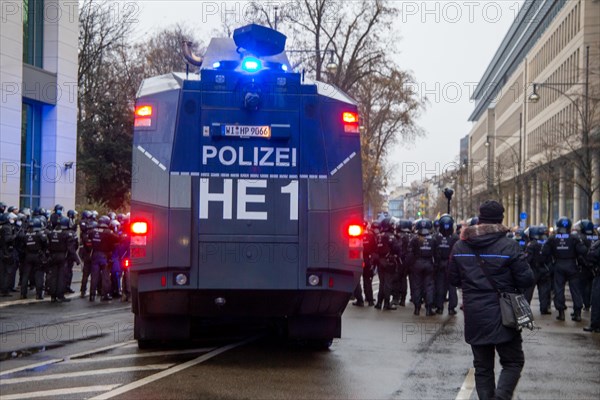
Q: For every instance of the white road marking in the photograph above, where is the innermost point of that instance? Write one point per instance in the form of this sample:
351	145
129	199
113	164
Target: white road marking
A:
57	360
467	387
140	355
59	392
171	371
105	371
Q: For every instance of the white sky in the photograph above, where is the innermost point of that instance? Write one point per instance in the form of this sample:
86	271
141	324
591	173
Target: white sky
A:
446	44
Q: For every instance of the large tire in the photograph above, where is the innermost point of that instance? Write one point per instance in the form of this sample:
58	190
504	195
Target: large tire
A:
146	344
320	344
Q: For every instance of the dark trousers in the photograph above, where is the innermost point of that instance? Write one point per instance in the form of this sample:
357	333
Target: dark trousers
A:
100	270
6	268
421	282
512	360
595	317
452	297
86	271
386	277
400	286
58	265
367	280
32	268
441	286
544	287
585	286
566	273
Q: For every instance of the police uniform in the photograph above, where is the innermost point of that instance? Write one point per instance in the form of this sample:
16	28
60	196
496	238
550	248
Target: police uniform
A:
103	243
85	253
422	250
586	275
7	259
36	244
541	271
399	285
369	248
564	248
442	286
386	267
59	242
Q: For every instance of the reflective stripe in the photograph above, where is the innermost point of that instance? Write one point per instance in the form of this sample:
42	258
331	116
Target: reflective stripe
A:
482	255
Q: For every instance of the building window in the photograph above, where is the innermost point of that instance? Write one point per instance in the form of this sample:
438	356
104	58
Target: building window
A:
33	32
31	154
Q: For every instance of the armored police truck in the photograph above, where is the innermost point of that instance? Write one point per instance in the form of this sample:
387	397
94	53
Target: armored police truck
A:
246	196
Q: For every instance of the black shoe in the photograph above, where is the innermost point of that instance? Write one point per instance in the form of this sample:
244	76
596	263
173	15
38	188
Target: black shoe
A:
69	290
53	299
576	316
106	298
358	304
92	298
371	303
586	309
451	311
378	306
63	300
39	297
82	295
439	311
417	310
429	311
390	307
14	290
592	329
23	296
561	315
545	312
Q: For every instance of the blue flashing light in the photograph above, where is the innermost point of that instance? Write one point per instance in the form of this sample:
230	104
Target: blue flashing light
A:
284	67
216	65
251	64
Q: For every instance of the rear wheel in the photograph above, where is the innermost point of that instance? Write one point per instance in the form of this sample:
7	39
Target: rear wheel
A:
320	344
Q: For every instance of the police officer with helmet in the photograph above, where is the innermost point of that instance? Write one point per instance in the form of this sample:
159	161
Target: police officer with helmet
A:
369	247
445	240
564	249
539	264
593	259
403	236
59	242
35	244
386	264
7	258
585	231
103	244
56	216
422	258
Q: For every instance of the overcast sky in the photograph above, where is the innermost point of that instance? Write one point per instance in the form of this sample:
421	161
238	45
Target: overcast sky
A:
446	44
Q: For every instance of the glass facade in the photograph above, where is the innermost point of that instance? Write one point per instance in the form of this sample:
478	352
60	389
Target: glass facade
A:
31	154
33	32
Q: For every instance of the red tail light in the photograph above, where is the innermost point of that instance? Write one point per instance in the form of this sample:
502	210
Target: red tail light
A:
355	230
139	228
350	118
126	263
143	116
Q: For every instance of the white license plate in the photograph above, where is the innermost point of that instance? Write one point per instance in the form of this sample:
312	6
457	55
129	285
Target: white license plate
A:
247	131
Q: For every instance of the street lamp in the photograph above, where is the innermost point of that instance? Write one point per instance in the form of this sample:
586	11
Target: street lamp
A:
584	114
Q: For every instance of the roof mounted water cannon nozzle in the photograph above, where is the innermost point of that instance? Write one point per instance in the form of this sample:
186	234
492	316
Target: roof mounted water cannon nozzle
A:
259	40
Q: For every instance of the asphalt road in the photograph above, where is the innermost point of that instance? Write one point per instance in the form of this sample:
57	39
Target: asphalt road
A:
85	350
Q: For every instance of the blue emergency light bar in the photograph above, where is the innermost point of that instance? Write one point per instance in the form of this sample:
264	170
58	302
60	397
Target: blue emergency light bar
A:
251	64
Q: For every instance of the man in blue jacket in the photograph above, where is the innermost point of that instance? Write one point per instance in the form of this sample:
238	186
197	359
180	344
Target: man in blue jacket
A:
507	267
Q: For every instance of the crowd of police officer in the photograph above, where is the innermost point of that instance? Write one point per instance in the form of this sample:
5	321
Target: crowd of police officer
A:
43	247
397	250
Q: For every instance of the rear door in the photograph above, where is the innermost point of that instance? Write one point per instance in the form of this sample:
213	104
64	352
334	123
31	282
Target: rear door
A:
248	200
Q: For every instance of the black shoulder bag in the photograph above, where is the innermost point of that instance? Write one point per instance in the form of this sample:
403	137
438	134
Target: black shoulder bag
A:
516	312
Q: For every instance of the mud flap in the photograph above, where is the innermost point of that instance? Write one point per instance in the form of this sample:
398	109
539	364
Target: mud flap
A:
314	327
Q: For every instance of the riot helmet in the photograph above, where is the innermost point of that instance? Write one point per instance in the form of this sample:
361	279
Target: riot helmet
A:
519	234
387	225
36	212
584	226
375	226
36	224
26	212
2	207
115	225
423	226
13	209
446	225
58	209
12	218
473	221
121	217
103	221
405	226
112	216
563	225
72	214
95	215
86	215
